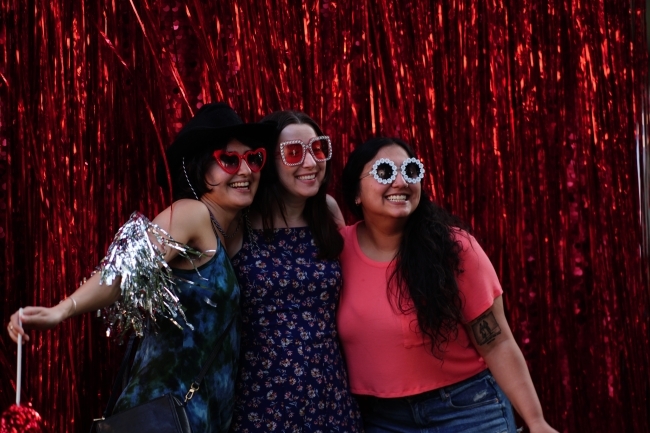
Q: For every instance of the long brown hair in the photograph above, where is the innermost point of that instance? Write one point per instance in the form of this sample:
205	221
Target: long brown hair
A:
316	213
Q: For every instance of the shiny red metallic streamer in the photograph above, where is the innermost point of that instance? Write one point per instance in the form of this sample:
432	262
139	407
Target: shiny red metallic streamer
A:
532	119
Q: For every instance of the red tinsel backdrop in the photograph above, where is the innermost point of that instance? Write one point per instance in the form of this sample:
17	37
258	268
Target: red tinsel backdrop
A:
531	116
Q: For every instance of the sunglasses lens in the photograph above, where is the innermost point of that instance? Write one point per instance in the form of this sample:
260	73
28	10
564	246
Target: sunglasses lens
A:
321	149
384	171
229	162
293	153
255	161
413	170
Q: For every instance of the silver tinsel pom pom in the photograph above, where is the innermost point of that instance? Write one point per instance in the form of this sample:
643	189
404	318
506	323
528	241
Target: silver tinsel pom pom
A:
147	282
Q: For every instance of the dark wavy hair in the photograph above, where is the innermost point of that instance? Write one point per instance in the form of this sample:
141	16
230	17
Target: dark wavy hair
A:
427	262
319	219
198	164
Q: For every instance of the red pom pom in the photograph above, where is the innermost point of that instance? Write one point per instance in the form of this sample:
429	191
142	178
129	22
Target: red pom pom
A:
21	419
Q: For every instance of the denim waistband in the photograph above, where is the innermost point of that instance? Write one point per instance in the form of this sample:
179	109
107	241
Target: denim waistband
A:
434	392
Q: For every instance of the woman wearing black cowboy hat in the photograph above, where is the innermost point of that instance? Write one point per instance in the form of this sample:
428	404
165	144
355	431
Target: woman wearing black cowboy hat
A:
170	280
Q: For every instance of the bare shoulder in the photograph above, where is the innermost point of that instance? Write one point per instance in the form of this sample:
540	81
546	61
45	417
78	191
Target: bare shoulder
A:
184	220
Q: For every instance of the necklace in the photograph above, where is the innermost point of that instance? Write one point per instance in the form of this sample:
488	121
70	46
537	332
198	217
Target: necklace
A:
217	226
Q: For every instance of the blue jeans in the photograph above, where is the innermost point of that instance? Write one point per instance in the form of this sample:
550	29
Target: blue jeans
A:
475	405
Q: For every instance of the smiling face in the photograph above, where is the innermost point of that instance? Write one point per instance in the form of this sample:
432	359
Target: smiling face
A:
232	191
397	199
300	181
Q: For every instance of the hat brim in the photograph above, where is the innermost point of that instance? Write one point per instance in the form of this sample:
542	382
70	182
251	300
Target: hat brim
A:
203	139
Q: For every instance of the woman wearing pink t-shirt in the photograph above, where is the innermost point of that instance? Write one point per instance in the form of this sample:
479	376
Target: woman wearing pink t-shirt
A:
421	316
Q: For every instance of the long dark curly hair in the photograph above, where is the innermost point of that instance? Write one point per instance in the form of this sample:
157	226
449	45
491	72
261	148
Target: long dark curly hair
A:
319	219
427	262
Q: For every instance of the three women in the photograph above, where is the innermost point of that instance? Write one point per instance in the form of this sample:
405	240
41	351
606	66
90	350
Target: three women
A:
421	317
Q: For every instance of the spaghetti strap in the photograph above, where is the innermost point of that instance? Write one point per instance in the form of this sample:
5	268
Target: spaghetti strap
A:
216	227
213	224
212	220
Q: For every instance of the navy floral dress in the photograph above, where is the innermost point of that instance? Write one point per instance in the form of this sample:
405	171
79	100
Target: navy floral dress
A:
168	360
292	377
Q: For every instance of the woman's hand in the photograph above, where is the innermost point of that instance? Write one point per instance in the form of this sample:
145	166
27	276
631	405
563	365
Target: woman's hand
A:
38	318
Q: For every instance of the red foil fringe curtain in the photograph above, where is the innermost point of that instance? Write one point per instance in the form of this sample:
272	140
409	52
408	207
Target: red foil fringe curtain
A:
531	117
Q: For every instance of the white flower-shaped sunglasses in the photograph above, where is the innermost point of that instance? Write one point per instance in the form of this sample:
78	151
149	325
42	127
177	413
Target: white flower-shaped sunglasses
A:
385	171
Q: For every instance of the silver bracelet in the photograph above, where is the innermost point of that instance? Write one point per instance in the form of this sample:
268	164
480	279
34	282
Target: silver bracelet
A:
74	305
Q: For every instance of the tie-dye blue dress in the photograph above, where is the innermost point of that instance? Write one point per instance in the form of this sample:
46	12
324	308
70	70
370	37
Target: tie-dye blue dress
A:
168	361
292	376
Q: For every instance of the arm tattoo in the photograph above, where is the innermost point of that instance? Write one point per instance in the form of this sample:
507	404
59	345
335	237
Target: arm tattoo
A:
485	328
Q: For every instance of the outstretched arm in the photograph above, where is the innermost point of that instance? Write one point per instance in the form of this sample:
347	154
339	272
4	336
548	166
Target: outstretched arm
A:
493	339
90	296
188	219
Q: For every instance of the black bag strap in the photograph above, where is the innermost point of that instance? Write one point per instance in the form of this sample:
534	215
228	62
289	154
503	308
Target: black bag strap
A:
128	357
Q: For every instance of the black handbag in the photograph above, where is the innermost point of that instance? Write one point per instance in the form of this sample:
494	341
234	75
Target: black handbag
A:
164	414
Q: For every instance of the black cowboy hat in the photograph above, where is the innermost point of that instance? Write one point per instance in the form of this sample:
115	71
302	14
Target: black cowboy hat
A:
214	124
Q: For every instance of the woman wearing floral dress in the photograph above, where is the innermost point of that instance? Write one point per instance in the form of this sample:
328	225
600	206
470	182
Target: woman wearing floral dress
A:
292	376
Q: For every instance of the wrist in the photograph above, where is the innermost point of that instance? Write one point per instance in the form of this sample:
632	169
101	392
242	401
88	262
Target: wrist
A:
68	307
537	423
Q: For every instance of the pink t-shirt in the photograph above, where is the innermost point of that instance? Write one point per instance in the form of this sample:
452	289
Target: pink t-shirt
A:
384	349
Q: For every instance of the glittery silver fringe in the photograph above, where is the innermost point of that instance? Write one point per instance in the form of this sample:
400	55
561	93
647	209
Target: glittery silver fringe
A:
147	282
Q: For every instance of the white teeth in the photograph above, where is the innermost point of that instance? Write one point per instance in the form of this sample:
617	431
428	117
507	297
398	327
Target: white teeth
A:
396	197
307	176
239	184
